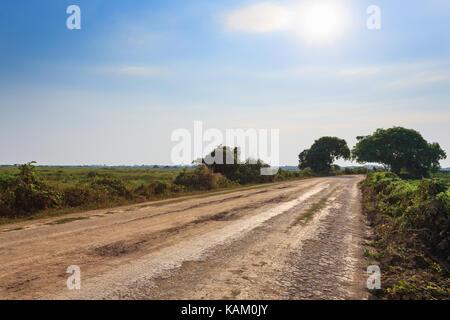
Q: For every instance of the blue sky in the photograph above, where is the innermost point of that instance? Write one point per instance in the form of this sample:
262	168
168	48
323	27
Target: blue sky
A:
112	92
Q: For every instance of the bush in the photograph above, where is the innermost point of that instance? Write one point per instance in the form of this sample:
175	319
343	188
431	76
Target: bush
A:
100	192
202	178
307	172
283	175
85	196
430	188
360	170
26	194
114	187
348	171
5	210
154	190
5	181
223	182
226	161
412	223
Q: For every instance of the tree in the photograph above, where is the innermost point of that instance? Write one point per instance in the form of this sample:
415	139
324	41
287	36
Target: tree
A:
226	161
323	153
403	151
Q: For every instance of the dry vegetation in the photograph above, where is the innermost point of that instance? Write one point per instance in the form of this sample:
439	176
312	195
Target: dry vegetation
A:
411	223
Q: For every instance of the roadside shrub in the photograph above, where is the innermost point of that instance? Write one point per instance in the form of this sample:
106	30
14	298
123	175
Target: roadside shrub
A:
29	198
226	161
5	181
85	196
159	188
283	175
173	188
154	190
26	193
412	228
307	172
250	172
202	178
75	196
429	213
114	187
5	210
223	182
357	170
430	188
360	170
348	171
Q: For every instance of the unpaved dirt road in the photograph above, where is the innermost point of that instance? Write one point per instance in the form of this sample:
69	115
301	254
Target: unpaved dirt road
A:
293	240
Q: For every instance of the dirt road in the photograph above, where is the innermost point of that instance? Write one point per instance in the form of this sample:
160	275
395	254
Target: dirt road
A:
294	240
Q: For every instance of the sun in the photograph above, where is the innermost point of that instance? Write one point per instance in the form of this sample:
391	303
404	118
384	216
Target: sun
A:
321	21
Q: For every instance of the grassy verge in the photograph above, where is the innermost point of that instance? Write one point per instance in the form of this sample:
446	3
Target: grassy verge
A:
411	226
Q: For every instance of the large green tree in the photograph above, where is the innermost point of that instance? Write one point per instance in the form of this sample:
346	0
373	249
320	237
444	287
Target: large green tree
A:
323	153
402	150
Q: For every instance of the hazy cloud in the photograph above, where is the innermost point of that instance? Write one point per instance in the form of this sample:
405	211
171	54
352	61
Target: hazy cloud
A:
365	71
138	71
259	17
423	78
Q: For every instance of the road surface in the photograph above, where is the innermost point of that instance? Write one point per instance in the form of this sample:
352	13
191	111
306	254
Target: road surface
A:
293	240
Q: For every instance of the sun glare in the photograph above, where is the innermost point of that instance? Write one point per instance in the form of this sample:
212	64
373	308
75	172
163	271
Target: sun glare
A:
321	21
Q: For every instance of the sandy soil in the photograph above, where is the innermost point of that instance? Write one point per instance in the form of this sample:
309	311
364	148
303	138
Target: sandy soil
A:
294	240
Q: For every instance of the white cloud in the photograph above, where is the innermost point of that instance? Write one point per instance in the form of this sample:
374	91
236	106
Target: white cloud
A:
259	17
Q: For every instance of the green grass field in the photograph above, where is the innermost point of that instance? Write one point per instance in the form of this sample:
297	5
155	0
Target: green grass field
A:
72	176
